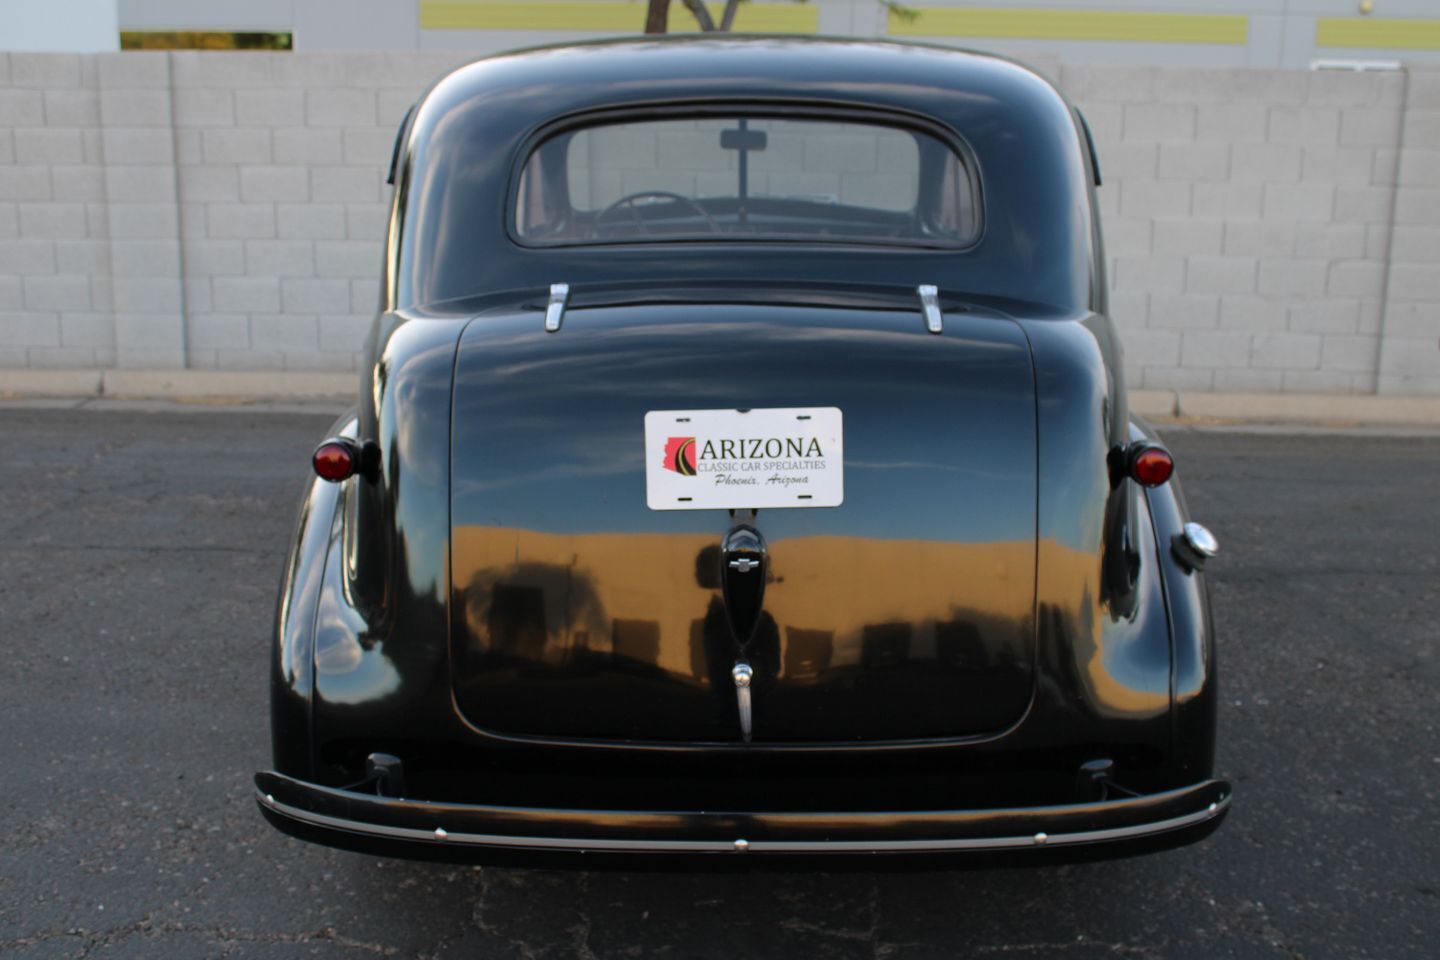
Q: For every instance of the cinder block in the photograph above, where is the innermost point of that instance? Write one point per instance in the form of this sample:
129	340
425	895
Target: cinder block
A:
246	294
1232	122
1344	87
1250	313
1113	83
29	330
1420	166
1220	274
213	258
1162	123
1317	381
24	183
1269	86
133	68
1268	162
212	183
240	221
1200	348
143	221
1358	278
87	330
52	221
313	70
137	146
229	68
1352	354
1413	244
345	184
1411	358
44	71
365	292
1127	236
1293	278
270	108
310	221
1377	241
249	360
279	258
9	220
1194	85
1304	125
300	145
1121	161
1419	206
1153	348
1285	351
1194	161
1299	201
1259	238
315	295
1408	281
321	360
12	295
1329	316
1334	241
72	108
56	293
78	183
210	331
285	332
21	108
1238	380
146	295
346	258
395	69
45	145
198	294
1227	201
140	184
343	332
1415	320
145	258
1155	198
60	358
135	108
204	107
273	184
1183	311
1367	205
375	145
238	145
366	221
1339	164
1370	126
1177	379
27	256
1186	237
392	105
340	108
1424	89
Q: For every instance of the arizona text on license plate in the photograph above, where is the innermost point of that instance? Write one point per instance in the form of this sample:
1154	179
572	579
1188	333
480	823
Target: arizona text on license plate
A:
744	459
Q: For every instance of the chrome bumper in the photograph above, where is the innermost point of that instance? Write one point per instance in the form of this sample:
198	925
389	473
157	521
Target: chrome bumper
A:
418	828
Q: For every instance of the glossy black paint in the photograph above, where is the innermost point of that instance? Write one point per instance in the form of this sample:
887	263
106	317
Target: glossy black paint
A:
433	612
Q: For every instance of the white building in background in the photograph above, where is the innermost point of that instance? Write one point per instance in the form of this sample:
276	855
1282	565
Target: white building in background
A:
1253	33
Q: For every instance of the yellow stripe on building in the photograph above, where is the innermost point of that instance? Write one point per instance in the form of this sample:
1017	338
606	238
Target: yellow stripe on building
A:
622	17
1377	34
1043	24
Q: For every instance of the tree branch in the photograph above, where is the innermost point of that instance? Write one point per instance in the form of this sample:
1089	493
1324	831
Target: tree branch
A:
727	20
702	16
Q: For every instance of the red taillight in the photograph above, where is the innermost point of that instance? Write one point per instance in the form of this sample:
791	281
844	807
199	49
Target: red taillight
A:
1151	466
335	461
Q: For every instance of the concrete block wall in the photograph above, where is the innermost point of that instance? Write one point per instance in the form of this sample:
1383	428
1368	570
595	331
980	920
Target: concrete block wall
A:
1267	231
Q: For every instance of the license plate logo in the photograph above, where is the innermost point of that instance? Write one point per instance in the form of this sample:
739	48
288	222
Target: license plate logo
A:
744	459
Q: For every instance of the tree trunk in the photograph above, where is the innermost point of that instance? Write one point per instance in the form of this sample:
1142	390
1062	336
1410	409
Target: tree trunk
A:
702	16
657	16
727	20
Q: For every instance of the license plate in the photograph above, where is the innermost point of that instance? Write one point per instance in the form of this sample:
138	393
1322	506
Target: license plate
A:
744	459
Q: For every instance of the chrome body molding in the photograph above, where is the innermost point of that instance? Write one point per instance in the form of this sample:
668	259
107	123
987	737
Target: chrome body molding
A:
555	310
930	307
1206	810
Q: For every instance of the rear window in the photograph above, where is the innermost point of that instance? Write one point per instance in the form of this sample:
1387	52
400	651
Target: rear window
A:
746	178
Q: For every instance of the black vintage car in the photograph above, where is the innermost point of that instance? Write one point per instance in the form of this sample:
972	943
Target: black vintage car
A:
742	465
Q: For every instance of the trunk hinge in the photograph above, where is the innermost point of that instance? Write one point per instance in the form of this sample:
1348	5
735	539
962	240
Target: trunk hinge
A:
555	311
930	307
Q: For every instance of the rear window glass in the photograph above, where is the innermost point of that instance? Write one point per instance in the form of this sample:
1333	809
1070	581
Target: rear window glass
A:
746	178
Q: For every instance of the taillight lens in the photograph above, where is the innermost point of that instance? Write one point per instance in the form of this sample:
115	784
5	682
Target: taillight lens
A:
1151	466
335	460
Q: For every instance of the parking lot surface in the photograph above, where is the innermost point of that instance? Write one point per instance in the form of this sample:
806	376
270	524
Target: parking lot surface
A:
139	556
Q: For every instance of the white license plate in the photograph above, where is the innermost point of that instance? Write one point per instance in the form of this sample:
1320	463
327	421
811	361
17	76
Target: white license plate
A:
744	459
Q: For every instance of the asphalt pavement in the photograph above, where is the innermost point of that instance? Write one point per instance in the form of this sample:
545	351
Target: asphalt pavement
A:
139	557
